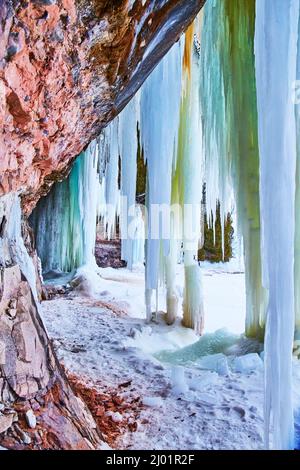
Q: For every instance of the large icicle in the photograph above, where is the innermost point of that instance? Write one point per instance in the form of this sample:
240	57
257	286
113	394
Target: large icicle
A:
110	199
231	148
297	213
160	104
276	52
243	145
128	145
217	169
190	182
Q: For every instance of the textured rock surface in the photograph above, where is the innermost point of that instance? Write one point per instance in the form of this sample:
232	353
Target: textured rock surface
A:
30	376
67	67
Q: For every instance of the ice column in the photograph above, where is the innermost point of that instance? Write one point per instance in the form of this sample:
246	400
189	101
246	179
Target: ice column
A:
110	201
297	211
189	169
128	146
230	134
160	105
276	54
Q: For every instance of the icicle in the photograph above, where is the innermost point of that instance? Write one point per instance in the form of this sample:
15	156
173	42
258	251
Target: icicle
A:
65	220
231	148
217	171
171	261
190	182
160	104
12	244
128	150
276	52
138	236
111	200
297	202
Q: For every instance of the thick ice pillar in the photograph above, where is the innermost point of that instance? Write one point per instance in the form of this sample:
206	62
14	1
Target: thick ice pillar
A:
276	54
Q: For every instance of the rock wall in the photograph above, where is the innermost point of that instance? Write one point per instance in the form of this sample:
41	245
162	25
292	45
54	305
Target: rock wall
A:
31	380
67	67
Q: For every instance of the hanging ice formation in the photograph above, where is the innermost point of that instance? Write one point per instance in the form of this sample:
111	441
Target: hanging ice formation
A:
108	168
276	61
297	221
65	221
159	122
230	134
12	246
187	181
131	225
171	140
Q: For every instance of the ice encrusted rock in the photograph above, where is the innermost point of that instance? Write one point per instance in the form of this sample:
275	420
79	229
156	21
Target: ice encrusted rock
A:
154	402
248	363
215	362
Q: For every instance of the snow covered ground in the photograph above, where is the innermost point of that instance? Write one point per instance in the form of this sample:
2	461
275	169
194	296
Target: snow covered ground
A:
223	288
105	340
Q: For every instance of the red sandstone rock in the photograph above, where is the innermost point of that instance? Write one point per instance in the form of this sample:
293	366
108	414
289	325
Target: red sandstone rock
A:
67	67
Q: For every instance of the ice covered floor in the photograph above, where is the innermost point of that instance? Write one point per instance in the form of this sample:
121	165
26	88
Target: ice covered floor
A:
212	412
223	287
181	408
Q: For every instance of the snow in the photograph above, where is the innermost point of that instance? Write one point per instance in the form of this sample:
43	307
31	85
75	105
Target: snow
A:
154	402
202	409
227	280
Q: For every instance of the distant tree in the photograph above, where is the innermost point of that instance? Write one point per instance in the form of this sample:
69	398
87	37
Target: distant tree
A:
212	246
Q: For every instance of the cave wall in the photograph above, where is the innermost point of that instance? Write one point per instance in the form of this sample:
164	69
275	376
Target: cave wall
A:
67	67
